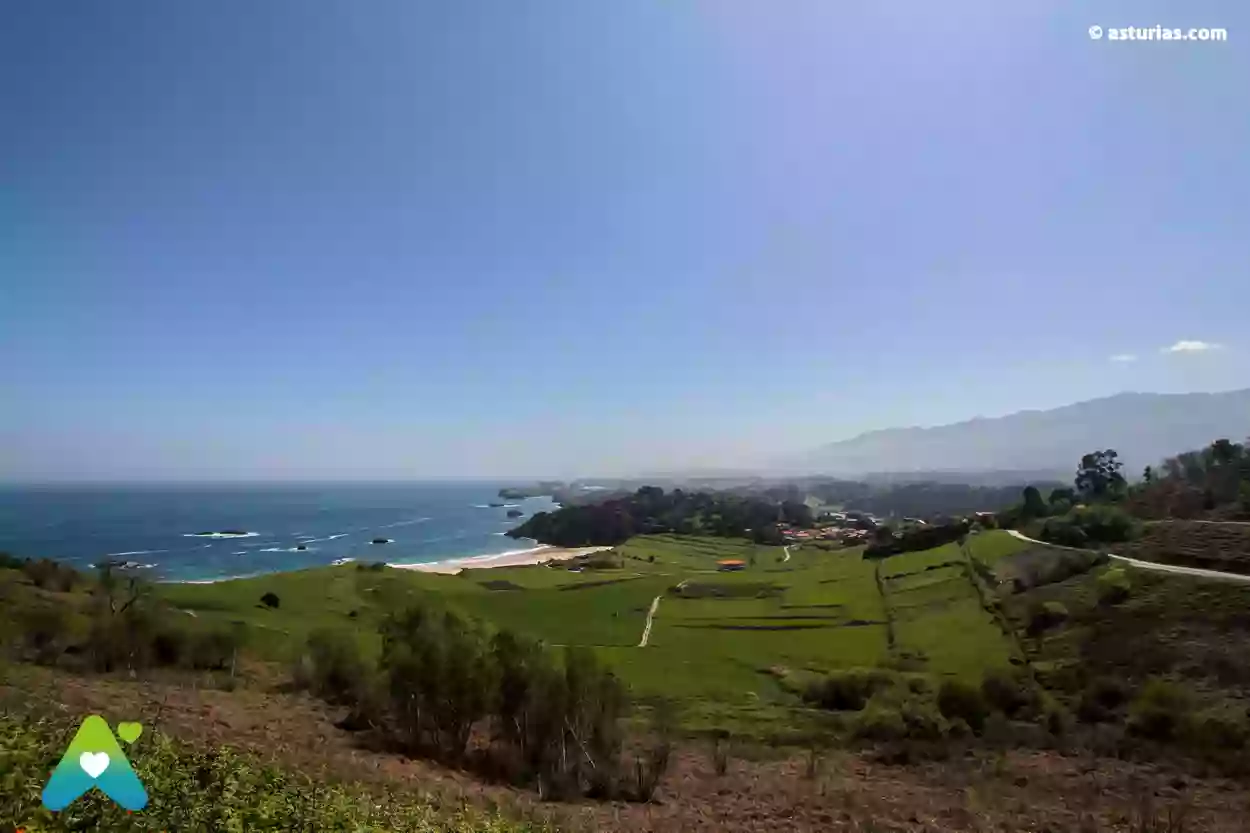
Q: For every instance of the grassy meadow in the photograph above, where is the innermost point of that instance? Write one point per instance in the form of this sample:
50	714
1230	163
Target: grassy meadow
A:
728	639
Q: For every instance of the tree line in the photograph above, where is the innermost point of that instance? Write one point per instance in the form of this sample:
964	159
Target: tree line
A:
1103	506
651	510
1214	479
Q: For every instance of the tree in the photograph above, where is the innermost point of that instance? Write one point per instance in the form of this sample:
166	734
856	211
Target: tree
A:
1149	474
1034	506
1099	475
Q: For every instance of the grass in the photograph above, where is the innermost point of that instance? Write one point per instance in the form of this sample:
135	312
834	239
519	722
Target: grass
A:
721	637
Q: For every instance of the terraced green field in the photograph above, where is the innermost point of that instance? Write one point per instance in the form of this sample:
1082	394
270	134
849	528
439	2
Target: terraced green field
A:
716	637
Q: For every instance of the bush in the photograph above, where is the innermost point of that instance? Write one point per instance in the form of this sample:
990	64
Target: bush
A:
121	640
1009	693
957	700
1218	729
1114	586
11	562
847	690
1055	717
331	667
1064	532
893	715
212	650
1159	710
169	646
270	600
1044	616
1101	699
49	575
1085	525
46	631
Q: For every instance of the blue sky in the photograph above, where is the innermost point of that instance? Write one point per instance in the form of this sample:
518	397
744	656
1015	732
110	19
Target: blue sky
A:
401	238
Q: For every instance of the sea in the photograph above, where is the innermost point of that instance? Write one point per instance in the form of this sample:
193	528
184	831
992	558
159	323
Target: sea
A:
157	530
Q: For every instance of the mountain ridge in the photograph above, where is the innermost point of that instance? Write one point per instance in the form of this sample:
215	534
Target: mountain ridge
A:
1144	427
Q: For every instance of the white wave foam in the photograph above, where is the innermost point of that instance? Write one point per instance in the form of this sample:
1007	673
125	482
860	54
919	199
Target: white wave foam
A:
339	562
220	534
329	538
404	523
137	552
289	549
240	552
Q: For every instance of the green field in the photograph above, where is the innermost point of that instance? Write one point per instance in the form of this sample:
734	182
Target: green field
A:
717	637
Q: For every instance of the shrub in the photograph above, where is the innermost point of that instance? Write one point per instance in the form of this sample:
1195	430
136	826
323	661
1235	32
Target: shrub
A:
121	640
11	562
848	690
720	754
1218	729
1009	693
1064	532
957	700
169	646
45	632
331	666
1055	717
49	575
212	650
1113	586
270	600
1100	700
1105	524
1044	616
1159	710
893	715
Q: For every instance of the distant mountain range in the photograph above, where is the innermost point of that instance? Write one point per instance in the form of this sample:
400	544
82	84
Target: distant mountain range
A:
1143	427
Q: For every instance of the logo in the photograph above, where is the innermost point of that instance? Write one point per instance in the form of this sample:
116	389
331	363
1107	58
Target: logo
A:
94	759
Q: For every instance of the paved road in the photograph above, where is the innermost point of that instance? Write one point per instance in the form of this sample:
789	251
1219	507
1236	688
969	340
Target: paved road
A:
1145	565
1196	521
646	632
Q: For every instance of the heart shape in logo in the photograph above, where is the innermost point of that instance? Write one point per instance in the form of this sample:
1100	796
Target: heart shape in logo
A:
93	763
129	732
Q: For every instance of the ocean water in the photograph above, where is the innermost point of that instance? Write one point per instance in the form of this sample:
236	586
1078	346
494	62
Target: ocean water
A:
154	527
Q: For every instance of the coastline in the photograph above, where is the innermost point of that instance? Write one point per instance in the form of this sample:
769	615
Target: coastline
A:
516	558
448	566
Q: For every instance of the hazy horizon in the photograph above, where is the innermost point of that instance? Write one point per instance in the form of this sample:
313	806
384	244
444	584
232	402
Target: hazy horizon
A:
412	242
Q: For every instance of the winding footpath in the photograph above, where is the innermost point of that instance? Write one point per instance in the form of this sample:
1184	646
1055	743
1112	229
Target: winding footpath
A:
646	632
787	554
1144	565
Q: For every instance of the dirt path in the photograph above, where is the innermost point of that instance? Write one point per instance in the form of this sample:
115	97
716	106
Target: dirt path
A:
786	550
1145	565
646	632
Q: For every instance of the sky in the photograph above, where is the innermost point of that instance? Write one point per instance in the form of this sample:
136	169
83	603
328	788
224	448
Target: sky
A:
410	239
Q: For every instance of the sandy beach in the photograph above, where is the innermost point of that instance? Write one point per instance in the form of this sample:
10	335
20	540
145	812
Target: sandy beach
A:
518	558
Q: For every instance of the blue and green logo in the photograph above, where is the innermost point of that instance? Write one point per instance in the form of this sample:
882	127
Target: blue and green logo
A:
94	759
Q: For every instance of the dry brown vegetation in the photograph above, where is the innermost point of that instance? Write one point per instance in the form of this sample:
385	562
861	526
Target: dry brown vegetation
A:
1222	546
760	790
